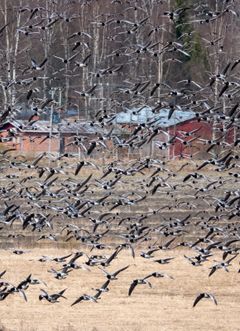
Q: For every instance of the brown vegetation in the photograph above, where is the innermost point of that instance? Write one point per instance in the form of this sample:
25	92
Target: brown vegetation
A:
167	306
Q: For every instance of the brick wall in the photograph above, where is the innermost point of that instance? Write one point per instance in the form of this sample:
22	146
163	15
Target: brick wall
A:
33	143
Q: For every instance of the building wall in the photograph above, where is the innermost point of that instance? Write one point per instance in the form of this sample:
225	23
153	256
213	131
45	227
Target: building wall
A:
33	143
12	143
196	147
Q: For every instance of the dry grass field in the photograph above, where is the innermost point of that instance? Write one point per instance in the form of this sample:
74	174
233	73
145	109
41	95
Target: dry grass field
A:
166	306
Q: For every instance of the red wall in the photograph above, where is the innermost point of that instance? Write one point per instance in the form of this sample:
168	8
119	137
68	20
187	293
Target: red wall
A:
205	132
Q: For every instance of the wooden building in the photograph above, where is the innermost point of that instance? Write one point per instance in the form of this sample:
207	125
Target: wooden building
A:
173	139
65	137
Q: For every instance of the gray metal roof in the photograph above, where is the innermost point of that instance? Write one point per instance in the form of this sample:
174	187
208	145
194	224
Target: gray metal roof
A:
39	126
16	123
136	116
79	127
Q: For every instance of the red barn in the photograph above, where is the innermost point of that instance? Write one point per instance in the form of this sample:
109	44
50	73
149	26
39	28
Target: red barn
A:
174	139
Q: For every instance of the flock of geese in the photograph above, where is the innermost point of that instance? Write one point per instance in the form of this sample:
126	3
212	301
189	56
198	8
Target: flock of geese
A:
196	210
140	206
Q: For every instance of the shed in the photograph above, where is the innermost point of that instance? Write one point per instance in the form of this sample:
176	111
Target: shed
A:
35	137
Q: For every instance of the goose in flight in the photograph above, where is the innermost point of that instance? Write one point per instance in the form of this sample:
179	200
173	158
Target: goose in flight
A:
144	280
61	274
107	262
112	276
206	296
136	282
103	288
164	261
87	297
158	275
148	254
87	93
36	66
66	60
52	298
221	265
83	63
78	34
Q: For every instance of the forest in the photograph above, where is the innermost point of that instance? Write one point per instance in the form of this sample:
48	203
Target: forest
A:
101	56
